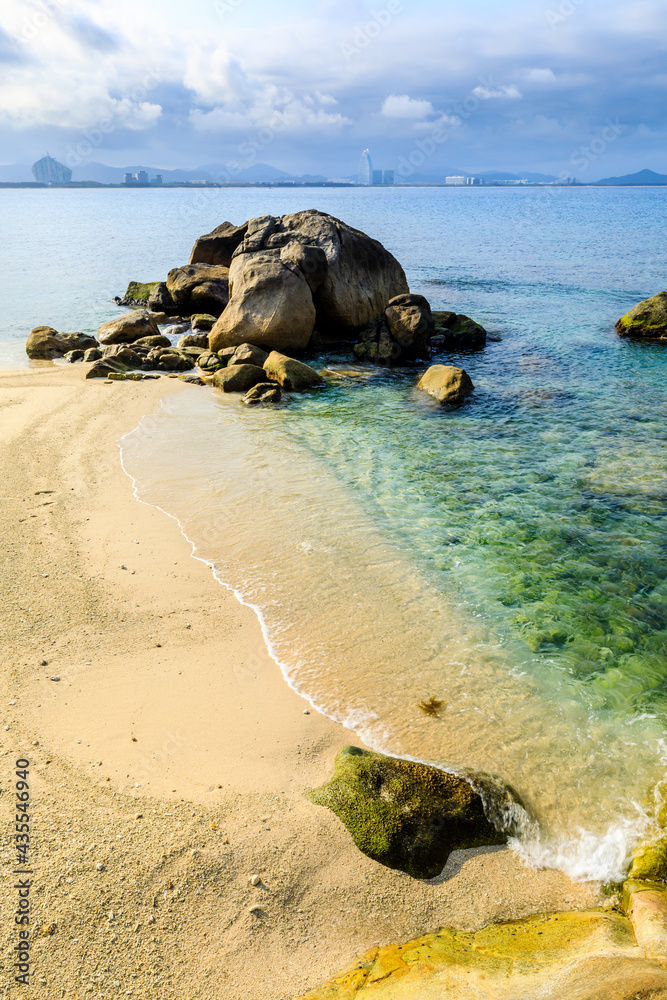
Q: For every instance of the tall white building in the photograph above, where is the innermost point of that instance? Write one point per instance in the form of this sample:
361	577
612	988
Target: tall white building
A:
365	168
50	171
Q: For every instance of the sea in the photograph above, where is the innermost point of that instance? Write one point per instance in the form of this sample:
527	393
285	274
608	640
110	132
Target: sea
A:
507	559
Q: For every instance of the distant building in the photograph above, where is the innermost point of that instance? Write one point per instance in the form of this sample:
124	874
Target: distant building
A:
455	181
129	180
157	179
142	177
50	171
388	177
474	180
365	168
377	177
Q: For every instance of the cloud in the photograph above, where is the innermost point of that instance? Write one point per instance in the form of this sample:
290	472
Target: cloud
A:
403	106
490	92
91	35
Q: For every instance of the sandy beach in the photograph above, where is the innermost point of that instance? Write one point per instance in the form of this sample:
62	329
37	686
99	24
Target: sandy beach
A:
170	759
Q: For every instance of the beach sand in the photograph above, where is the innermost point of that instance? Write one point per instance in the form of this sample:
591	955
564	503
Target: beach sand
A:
170	761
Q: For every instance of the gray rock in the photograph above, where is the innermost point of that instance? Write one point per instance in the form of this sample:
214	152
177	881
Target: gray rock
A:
127	328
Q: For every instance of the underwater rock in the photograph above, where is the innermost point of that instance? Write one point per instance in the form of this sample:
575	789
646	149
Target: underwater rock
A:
447	384
263	392
456	332
647	319
404	814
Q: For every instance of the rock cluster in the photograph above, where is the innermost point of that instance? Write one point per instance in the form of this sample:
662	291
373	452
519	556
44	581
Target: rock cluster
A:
251	296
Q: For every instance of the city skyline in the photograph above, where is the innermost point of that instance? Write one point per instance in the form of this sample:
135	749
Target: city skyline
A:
530	89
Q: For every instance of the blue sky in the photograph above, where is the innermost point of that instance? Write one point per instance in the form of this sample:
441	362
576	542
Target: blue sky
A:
571	87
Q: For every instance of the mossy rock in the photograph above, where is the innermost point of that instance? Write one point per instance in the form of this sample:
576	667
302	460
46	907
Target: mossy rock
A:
404	814
156	340
579	954
647	319
650	861
138	293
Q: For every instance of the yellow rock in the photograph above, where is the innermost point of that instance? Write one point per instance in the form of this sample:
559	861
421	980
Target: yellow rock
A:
646	906
589	955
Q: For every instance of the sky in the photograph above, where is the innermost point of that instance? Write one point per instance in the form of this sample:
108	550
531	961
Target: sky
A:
565	87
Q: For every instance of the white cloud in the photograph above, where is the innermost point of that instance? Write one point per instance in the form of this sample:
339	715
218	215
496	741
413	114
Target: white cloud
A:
489	93
402	106
539	75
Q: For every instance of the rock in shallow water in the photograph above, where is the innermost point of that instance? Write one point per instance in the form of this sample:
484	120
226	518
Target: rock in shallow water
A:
447	384
647	319
238	378
291	374
404	814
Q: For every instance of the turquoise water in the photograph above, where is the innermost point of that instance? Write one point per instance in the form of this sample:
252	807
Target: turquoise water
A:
508	557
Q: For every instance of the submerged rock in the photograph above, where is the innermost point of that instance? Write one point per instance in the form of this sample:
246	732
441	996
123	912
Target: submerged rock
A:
238	378
44	343
447	384
291	374
456	332
404	814
127	328
647	319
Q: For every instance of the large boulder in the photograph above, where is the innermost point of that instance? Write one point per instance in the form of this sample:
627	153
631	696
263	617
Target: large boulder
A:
127	328
349	279
456	332
447	384
404	814
291	374
362	276
411	325
182	283
238	378
647	319
217	247
270	305
44	343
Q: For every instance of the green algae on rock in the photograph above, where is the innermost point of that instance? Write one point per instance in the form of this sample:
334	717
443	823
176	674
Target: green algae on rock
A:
585	955
650	861
647	319
404	814
138	293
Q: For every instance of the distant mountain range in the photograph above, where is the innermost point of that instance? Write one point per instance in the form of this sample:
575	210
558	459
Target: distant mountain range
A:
642	177
263	173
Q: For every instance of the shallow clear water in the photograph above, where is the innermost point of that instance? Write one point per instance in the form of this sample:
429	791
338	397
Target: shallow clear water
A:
508	557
